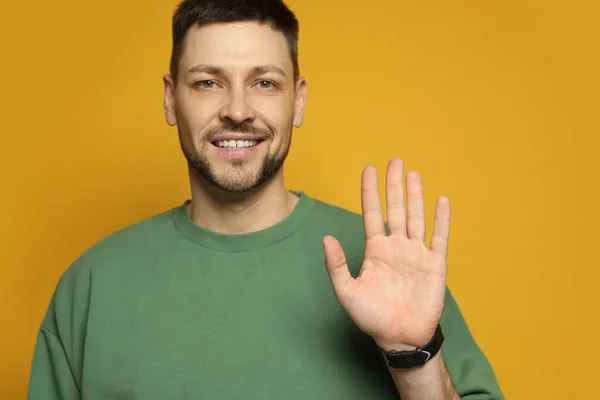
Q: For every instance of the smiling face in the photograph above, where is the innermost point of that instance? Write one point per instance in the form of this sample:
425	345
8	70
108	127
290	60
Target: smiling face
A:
235	103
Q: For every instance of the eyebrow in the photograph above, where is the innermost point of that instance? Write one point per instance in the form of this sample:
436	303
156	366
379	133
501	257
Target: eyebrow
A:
209	69
263	69
256	70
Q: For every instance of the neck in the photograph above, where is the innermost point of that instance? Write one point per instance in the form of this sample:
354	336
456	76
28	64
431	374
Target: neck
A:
235	213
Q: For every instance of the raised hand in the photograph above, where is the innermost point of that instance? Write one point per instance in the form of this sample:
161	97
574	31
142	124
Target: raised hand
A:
398	297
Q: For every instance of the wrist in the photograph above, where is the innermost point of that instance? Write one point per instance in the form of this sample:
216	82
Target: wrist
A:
429	368
401	356
407	345
396	346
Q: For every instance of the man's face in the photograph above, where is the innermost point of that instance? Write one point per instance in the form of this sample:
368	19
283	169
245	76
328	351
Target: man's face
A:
235	103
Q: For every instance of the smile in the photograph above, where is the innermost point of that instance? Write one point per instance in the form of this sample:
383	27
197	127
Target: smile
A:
236	144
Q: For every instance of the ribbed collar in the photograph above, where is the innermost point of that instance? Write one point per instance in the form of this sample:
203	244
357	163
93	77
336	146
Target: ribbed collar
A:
244	241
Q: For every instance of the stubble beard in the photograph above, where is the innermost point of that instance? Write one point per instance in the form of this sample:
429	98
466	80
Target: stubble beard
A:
237	179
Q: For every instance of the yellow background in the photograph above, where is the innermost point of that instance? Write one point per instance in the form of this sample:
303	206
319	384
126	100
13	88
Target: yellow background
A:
494	102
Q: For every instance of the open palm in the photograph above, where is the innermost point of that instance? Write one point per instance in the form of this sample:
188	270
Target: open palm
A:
398	297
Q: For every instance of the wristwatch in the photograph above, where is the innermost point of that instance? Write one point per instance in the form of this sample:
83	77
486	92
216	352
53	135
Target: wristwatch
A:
414	358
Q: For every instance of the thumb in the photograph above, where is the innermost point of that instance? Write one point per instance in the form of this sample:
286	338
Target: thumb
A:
335	261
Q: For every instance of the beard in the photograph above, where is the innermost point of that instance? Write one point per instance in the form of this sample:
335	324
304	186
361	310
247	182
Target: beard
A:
237	179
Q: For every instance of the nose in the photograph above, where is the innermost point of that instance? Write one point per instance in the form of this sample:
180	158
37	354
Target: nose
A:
237	107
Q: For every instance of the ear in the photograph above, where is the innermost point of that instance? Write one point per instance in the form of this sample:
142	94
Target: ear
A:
169	101
300	102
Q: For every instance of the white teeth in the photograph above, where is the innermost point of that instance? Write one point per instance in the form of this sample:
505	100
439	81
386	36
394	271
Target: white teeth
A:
235	144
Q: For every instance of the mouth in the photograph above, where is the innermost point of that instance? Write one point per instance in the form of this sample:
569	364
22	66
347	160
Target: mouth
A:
236	144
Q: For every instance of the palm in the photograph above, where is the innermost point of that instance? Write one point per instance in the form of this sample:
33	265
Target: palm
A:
398	296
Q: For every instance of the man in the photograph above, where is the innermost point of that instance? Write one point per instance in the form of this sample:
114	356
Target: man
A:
225	296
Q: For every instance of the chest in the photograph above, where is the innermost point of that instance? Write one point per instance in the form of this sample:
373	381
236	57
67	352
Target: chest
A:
209	331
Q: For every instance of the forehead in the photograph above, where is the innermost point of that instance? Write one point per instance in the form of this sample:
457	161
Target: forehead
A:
236	45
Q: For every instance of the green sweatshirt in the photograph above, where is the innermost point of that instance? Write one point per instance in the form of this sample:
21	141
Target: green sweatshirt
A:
165	309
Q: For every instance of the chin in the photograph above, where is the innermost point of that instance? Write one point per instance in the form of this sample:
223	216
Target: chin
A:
238	181
236	176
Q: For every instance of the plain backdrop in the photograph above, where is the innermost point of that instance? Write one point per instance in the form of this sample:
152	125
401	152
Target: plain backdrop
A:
495	103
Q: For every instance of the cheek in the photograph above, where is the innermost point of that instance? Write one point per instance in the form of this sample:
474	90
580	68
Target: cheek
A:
278	116
194	116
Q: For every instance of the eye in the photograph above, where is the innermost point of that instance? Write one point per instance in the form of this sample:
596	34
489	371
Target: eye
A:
266	85
208	84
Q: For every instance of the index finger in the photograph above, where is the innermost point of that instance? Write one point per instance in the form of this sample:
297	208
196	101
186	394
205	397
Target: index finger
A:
371	205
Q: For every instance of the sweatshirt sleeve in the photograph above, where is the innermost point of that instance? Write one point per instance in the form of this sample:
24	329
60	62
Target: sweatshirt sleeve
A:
56	369
51	375
468	367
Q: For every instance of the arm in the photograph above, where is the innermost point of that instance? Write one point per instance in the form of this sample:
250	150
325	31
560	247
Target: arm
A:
400	294
51	376
57	361
431	381
459	371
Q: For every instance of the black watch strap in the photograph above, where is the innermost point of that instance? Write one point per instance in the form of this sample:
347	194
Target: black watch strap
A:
417	357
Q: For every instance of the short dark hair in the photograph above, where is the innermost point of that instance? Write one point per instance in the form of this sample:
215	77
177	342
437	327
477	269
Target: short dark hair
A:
202	12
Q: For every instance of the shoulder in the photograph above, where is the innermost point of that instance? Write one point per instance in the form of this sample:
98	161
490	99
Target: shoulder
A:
125	245
343	224
122	249
330	213
337	220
